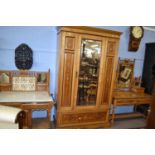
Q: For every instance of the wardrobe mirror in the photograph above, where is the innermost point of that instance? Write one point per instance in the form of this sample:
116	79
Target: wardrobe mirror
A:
88	72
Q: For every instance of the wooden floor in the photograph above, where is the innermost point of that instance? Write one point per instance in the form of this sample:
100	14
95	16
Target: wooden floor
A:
133	123
42	123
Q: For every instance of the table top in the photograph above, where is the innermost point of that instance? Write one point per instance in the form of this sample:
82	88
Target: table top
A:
129	95
36	96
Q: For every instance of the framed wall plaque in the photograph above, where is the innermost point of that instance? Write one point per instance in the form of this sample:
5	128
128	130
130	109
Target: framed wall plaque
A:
23	57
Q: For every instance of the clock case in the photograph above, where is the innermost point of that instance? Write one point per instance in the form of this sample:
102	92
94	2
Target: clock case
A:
134	42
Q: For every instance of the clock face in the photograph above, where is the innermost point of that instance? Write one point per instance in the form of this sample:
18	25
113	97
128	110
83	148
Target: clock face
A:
137	32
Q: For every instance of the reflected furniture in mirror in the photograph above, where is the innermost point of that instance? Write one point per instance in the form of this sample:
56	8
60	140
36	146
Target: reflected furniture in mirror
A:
128	90
86	71
27	90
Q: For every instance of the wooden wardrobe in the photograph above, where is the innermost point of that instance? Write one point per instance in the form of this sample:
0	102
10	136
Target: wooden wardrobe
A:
87	61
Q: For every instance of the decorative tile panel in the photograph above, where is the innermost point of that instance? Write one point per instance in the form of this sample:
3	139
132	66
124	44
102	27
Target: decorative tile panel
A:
20	83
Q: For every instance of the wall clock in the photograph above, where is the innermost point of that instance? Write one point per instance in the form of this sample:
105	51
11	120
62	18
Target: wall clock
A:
136	34
23	57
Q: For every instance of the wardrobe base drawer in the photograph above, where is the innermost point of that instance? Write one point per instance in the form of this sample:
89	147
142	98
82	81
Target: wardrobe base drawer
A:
83	117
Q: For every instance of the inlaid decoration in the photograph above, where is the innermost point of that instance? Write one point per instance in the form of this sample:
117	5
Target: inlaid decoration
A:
69	43
111	48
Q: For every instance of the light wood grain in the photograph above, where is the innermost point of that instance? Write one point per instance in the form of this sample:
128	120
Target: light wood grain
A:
69	114
125	98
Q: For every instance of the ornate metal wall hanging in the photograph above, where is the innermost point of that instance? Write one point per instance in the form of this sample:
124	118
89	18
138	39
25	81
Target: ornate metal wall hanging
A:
23	57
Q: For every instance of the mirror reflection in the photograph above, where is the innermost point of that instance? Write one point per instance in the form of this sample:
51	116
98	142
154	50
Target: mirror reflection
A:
88	72
125	73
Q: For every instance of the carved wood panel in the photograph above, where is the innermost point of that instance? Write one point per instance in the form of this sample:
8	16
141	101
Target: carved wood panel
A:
133	101
108	80
67	78
5	88
42	87
111	48
83	117
69	43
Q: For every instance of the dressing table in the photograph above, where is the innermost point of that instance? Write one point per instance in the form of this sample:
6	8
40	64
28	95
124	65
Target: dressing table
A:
126	98
126	92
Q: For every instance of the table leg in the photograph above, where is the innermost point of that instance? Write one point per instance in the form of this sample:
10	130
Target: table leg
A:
29	119
49	114
113	112
25	120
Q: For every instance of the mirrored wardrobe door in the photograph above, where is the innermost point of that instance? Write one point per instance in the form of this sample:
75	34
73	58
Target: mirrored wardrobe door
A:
88	74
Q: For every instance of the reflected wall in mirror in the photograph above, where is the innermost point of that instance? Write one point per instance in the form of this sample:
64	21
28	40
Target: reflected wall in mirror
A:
4	78
42	78
125	73
88	72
